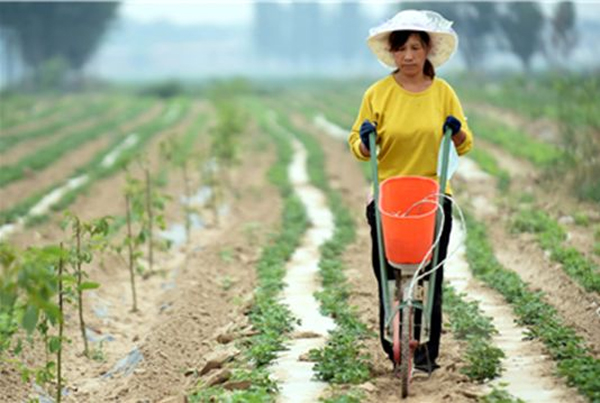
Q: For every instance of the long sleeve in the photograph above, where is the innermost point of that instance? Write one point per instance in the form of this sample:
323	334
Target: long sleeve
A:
365	112
456	110
409	127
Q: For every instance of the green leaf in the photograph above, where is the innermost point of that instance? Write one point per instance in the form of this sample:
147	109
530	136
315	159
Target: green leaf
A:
54	344
88	285
86	257
30	318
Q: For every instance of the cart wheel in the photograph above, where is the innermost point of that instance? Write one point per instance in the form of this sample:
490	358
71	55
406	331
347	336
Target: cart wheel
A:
396	334
407	351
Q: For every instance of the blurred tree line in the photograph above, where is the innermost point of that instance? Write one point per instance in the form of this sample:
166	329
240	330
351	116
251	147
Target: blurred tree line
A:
304	32
307	32
520	27
54	39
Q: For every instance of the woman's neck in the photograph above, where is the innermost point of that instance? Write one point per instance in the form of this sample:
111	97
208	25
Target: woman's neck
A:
416	83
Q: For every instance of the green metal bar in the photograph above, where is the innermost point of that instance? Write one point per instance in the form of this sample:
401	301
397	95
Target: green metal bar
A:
382	271
446	142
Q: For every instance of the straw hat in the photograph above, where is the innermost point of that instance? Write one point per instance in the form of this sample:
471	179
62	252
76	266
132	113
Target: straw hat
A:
444	40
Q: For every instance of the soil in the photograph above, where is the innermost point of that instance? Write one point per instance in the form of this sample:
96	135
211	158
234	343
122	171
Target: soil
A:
202	294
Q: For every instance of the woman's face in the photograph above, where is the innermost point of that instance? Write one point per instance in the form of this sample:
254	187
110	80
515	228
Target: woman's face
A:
410	57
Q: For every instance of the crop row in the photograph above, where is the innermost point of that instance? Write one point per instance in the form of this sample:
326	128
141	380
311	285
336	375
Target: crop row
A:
569	98
18	110
95	169
341	360
45	156
37	284
551	237
272	320
87	108
574	359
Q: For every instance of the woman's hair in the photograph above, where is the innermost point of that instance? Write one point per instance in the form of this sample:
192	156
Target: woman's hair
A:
397	39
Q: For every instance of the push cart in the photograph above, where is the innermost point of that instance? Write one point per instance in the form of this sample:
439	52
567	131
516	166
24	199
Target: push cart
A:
409	222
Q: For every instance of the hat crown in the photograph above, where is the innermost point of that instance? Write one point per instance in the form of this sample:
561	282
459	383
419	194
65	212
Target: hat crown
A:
443	38
424	20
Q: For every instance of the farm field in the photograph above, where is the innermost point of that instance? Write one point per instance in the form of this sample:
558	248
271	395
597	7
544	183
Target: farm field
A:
189	215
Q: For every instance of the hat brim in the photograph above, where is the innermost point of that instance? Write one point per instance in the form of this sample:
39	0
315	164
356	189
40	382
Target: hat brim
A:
442	47
443	44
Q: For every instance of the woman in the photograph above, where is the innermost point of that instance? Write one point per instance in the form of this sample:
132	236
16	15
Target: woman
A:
409	110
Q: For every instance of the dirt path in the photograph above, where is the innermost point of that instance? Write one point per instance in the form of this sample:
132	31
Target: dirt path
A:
294	374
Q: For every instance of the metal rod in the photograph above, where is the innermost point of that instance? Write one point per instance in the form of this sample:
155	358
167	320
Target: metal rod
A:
382	269
446	140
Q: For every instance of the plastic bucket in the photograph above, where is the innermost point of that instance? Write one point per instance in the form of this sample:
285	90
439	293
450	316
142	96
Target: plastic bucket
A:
408	226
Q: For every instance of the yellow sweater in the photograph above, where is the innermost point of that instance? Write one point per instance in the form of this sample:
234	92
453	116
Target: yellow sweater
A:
409	127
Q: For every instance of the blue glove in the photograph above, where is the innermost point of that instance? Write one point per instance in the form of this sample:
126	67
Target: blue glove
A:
365	129
453	124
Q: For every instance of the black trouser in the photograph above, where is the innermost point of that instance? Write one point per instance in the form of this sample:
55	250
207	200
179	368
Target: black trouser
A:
425	355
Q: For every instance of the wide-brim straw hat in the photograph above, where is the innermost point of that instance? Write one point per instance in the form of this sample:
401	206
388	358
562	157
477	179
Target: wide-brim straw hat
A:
444	40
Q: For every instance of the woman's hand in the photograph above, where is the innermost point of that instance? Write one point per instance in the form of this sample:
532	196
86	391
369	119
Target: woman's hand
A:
453	124
458	135
365	130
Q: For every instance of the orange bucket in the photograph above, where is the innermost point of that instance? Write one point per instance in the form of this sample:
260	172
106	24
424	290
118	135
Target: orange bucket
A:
408	232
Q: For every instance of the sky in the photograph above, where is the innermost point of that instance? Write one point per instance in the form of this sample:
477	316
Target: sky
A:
224	12
206	11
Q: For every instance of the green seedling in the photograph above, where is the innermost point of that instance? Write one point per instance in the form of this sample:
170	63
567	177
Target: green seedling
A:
30	281
134	210
97	354
146	207
226	283
581	219
209	175
227	255
468	323
87	238
61	325
551	236
352	396
499	396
